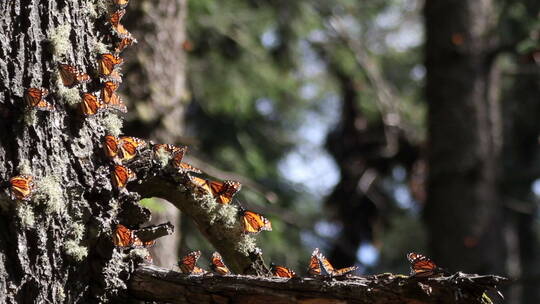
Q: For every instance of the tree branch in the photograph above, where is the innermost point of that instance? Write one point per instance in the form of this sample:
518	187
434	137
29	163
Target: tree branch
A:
219	223
153	283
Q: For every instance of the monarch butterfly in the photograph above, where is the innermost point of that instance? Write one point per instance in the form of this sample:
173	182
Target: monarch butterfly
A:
282	271
71	76
254	222
107	63
90	104
124	237
223	192
107	91
320	266
21	186
122	175
129	146
188	264
110	145
124	43
35	98
115	17
177	156
217	264
422	266
185	167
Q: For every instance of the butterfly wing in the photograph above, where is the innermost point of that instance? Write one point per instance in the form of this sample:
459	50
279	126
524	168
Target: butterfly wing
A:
282	271
129	146
122	175
122	237
21	186
314	268
71	76
107	63
177	155
107	91
124	43
201	184
224	191
218	265
344	271
115	17
188	264
110	145
90	104
421	266
35	99
255	223
185	168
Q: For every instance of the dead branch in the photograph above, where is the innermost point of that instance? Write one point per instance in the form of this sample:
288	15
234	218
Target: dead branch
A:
158	284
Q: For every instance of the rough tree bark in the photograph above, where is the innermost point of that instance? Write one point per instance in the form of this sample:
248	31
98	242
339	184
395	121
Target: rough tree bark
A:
463	212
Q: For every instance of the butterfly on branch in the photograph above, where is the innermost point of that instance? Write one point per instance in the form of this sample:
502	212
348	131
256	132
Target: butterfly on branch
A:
319	265
188	264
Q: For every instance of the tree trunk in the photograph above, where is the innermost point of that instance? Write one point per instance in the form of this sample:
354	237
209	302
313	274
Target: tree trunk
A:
56	246
156	90
463	211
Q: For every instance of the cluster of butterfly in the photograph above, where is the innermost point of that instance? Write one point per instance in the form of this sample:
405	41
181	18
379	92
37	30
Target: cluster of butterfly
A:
121	150
108	72
319	266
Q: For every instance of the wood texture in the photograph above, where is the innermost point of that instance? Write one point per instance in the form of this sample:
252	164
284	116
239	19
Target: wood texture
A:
158	284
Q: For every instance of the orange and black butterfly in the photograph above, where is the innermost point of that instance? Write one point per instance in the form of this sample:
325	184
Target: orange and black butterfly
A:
125	237
129	146
122	175
115	17
112	99
254	222
21	186
320	266
422	266
185	168
177	155
218	266
107	63
71	76
124	43
35	98
282	271
188	264
110	145
223	192
90	104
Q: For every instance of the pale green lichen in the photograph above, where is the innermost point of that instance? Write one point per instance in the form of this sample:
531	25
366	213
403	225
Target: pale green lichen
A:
100	48
30	117
70	96
91	8
113	124
139	253
76	251
60	42
77	231
26	215
59	292
246	244
163	157
102	7
24	167
49	191
228	214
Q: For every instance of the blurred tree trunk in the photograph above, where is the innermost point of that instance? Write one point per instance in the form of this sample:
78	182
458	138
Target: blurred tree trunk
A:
156	87
463	212
522	168
56	246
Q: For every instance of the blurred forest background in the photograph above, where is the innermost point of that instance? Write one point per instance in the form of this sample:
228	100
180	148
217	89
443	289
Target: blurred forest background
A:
366	128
